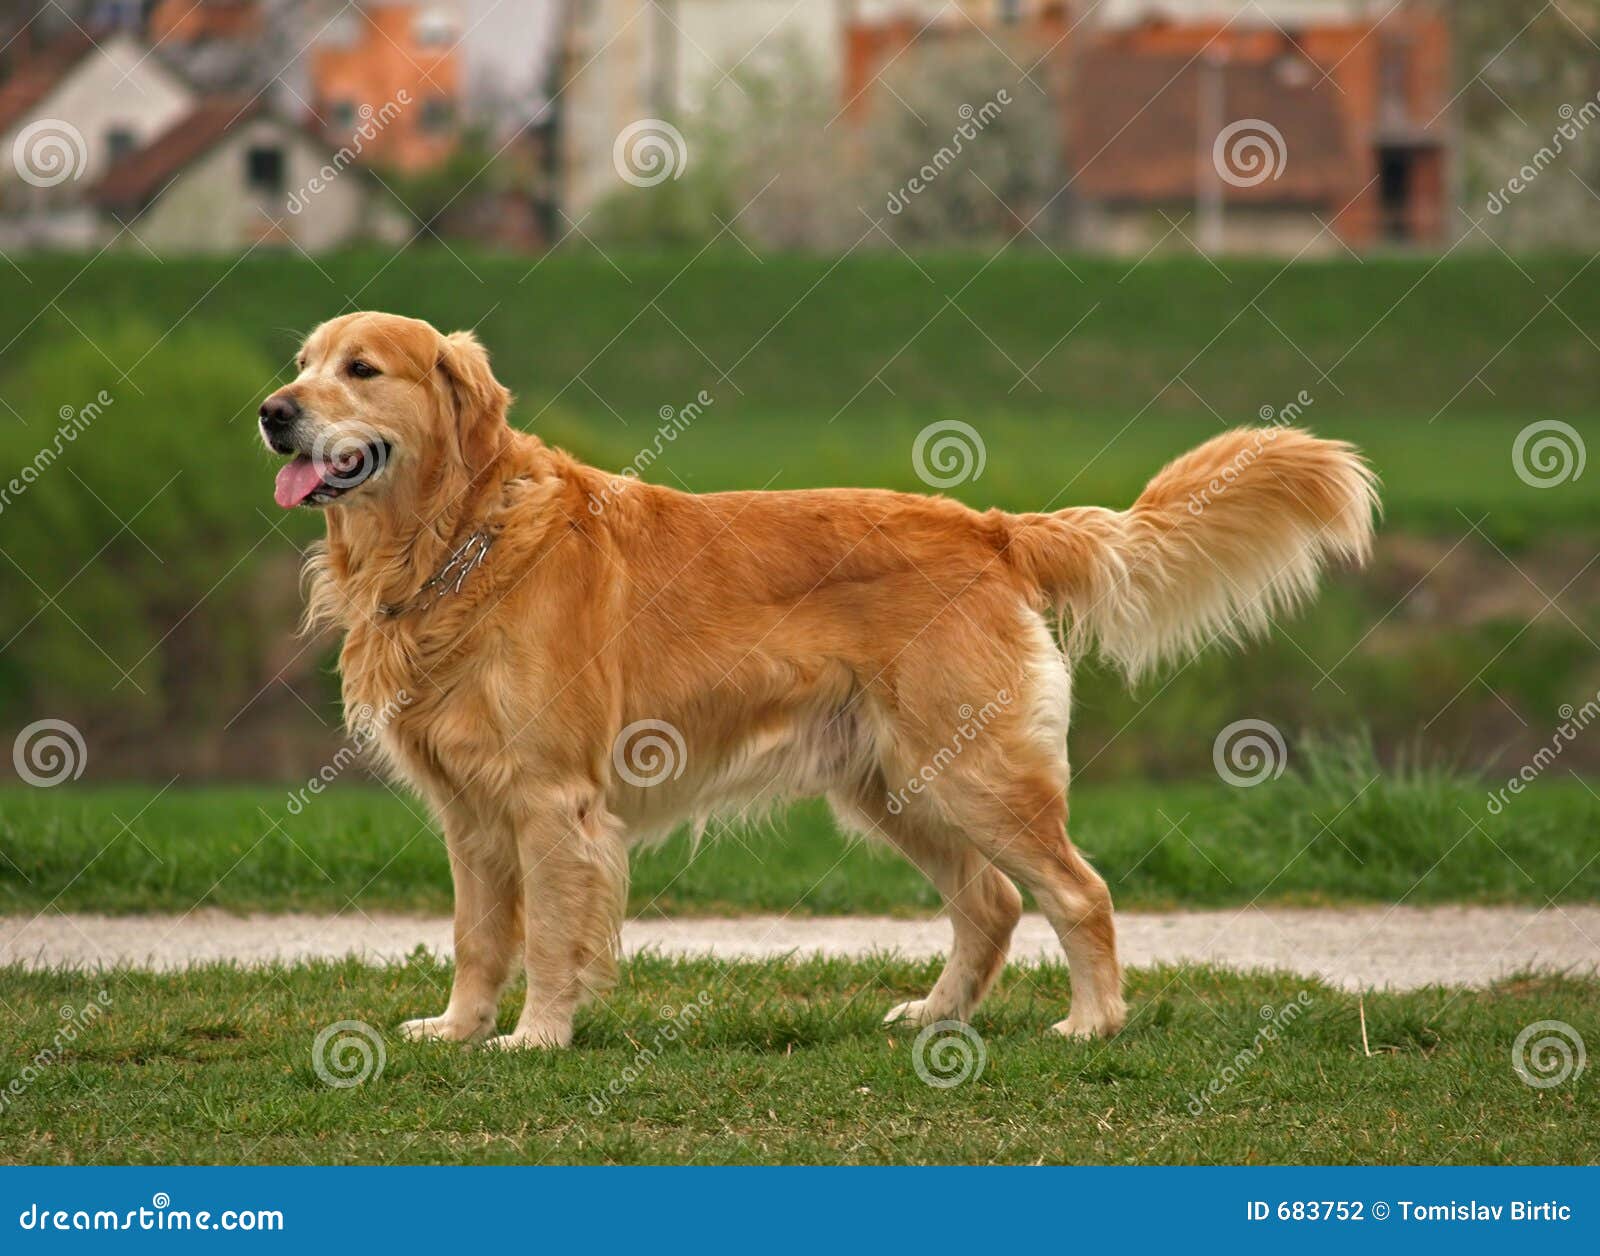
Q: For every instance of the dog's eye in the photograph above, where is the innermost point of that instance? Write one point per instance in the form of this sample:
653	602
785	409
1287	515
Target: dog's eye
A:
362	370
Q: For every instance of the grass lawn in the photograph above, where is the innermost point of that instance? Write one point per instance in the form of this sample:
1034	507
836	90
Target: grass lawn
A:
788	1063
1330	830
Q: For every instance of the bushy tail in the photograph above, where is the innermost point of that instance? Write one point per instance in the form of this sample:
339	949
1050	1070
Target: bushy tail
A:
1223	539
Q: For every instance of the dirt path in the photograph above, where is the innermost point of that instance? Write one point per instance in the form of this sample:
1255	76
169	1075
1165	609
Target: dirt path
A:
1400	947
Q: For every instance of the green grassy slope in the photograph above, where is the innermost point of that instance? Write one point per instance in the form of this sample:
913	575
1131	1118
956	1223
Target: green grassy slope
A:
822	372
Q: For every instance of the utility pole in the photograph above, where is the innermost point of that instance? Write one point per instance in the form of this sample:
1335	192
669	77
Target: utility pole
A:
664	87
1208	179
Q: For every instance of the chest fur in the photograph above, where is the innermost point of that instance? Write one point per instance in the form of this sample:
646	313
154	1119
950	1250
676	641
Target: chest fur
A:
442	726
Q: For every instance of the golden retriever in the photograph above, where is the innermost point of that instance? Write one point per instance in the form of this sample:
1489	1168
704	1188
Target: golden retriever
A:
587	661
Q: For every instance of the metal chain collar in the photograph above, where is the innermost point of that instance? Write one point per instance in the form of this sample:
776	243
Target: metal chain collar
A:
466	559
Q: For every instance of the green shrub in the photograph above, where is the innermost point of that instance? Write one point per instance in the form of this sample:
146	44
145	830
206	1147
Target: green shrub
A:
137	520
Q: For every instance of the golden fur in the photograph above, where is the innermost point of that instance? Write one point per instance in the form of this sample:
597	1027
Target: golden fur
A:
888	651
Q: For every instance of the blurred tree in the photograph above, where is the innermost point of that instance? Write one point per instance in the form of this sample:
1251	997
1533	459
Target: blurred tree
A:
129	592
446	199
784	156
1531	99
765	154
955	145
968	146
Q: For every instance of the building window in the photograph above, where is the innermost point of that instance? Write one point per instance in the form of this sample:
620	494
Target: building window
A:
342	115
118	14
1394	72
120	142
263	166
438	115
1010	10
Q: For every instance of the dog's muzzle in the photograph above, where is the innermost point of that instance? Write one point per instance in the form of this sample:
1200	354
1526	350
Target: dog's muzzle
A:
279	414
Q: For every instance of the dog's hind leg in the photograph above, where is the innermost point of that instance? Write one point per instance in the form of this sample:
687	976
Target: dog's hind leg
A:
1020	823
1001	782
983	904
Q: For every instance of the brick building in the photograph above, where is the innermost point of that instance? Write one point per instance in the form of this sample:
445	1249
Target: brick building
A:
1337	110
378	54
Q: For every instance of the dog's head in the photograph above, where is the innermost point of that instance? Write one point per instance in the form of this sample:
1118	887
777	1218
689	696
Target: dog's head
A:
384	409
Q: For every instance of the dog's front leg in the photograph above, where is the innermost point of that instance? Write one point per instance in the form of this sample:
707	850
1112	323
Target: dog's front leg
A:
575	888
487	931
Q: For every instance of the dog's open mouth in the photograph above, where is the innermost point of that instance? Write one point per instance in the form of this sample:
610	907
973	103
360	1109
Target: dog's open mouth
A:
317	479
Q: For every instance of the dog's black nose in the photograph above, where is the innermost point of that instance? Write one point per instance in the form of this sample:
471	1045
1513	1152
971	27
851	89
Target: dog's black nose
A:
278	412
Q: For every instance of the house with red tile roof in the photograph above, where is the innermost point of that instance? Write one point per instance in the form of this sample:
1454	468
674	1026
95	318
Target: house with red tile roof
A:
69	110
233	175
106	144
1283	126
1279	137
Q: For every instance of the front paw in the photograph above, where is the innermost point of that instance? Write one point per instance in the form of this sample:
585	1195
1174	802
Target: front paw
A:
1090	1023
446	1029
916	1012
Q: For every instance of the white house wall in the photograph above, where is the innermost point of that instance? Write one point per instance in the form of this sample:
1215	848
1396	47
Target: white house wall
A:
210	209
118	86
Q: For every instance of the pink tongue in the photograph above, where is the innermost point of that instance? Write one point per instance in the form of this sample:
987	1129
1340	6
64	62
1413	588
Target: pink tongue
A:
297	480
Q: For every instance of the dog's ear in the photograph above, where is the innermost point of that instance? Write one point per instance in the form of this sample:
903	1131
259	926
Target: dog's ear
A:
479	399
